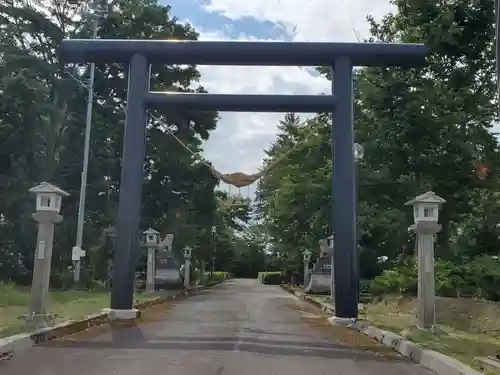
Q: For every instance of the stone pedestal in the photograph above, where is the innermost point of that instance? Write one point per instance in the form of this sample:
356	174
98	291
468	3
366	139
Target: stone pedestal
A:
187	273
150	270
306	273
202	272
332	277
37	315
426	307
117	314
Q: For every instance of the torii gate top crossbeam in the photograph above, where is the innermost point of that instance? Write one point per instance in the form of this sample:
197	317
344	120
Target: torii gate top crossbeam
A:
242	53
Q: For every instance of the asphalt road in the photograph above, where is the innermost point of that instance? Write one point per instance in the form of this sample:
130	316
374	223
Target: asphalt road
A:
237	328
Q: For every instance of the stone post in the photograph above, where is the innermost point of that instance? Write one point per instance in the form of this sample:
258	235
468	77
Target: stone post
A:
48	205
307	259
152	245
202	272
187	267
426	214
331	247
111	233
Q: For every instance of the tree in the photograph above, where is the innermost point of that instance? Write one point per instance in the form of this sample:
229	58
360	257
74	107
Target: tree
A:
421	129
42	124
425	129
250	252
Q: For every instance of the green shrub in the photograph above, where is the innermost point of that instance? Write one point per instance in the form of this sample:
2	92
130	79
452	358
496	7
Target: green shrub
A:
364	286
399	280
481	276
478	278
12	295
273	278
218	275
263	275
194	275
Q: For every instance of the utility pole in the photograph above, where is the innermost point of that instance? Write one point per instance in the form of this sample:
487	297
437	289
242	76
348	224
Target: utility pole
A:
77	249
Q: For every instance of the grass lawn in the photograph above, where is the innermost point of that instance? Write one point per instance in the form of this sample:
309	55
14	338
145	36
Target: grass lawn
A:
457	342
14	302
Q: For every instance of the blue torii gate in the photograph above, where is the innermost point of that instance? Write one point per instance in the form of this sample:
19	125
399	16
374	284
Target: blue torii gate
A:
341	57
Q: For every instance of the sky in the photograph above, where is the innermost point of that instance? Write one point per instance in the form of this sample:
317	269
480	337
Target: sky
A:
240	139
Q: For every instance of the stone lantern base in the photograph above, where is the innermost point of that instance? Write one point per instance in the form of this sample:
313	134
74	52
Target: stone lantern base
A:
343	322
117	314
40	320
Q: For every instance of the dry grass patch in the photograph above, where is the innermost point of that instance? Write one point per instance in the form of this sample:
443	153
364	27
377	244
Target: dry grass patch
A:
317	319
463	334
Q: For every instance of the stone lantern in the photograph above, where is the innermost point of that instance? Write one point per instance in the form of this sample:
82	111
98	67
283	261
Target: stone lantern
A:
48	197
425	215
187	253
426	208
151	237
48	205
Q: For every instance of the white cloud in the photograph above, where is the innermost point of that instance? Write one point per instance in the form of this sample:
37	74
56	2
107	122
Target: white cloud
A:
232	146
239	141
240	138
309	20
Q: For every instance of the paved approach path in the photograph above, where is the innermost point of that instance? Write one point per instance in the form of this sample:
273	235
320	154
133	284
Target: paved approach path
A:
237	328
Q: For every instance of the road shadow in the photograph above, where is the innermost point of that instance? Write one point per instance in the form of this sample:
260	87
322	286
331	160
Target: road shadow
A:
264	332
132	339
131	333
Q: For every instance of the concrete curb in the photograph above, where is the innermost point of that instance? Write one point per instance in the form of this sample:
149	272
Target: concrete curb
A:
17	343
312	301
430	359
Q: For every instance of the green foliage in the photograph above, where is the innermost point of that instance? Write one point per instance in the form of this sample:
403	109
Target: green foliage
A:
11	295
364	286
250	252
194	275
479	278
262	275
42	118
271	278
218	276
399	280
421	129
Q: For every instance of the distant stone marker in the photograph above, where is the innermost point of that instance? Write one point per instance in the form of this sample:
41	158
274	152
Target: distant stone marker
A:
320	280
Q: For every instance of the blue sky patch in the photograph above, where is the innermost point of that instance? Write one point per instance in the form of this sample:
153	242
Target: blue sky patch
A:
194	12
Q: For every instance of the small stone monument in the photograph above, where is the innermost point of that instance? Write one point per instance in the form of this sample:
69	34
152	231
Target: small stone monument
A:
426	215
167	268
168	241
151	244
320	279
